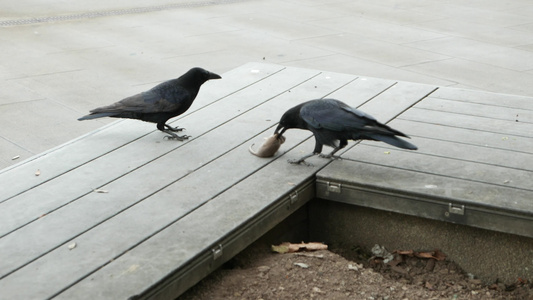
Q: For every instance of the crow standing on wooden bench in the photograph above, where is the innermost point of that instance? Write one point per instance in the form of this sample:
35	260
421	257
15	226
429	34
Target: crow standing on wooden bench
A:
333	123
164	101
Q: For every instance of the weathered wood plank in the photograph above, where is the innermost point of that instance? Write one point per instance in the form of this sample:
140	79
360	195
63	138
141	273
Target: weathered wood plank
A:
359	91
20	177
481	97
64	189
402	94
463	152
476	109
444	166
464	136
503	127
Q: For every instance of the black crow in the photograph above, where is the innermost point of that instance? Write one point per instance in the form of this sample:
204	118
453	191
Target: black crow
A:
333	123
164	101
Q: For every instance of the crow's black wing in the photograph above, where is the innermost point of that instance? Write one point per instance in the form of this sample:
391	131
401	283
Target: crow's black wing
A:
148	102
337	116
334	115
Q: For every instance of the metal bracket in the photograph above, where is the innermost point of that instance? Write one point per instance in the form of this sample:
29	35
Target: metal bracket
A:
293	198
455	209
333	187
217	252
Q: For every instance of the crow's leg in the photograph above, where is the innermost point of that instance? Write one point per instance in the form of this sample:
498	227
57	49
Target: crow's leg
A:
174	129
171	135
342	144
317	150
330	155
301	160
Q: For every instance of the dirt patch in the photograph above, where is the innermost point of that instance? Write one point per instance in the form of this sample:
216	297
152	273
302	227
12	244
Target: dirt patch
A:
257	273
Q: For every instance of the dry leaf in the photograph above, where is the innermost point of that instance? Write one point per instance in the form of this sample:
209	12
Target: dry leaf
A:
38	172
437	254
283	248
424	254
404	252
289	247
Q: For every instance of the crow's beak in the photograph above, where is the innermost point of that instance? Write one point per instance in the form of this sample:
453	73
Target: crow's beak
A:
214	76
278	132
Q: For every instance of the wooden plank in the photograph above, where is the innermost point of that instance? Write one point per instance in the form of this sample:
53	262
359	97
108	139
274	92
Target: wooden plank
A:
481	97
475	109
20	177
359	91
402	94
136	186
68	187
463	136
215	219
444	166
502	127
460	152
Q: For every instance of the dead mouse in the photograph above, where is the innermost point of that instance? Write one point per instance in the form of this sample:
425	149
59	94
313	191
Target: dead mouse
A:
269	147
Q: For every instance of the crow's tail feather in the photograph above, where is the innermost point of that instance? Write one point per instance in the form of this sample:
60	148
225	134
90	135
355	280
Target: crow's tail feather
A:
393	140
94	116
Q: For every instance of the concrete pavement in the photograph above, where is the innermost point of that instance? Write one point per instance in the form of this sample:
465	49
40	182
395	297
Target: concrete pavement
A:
58	60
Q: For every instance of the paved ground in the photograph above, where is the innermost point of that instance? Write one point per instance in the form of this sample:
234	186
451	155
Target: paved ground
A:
59	59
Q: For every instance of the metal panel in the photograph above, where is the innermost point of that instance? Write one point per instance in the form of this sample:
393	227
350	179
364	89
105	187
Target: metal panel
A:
454	210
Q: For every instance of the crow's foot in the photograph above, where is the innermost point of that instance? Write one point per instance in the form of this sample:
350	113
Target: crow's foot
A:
173	136
332	157
298	162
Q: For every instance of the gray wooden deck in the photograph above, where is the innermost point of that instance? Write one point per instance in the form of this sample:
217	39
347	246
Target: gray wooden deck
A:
474	165
174	211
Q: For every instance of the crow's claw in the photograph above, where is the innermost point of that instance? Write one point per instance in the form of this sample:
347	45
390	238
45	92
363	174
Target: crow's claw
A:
332	157
177	137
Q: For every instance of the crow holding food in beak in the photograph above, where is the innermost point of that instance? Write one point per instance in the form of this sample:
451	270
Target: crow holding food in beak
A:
333	123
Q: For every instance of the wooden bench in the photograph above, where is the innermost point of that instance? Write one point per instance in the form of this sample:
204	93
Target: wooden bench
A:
122	213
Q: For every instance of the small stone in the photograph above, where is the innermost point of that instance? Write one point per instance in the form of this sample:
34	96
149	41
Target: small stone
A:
302	265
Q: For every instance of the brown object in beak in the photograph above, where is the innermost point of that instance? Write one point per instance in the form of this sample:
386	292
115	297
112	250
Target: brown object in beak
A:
269	147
